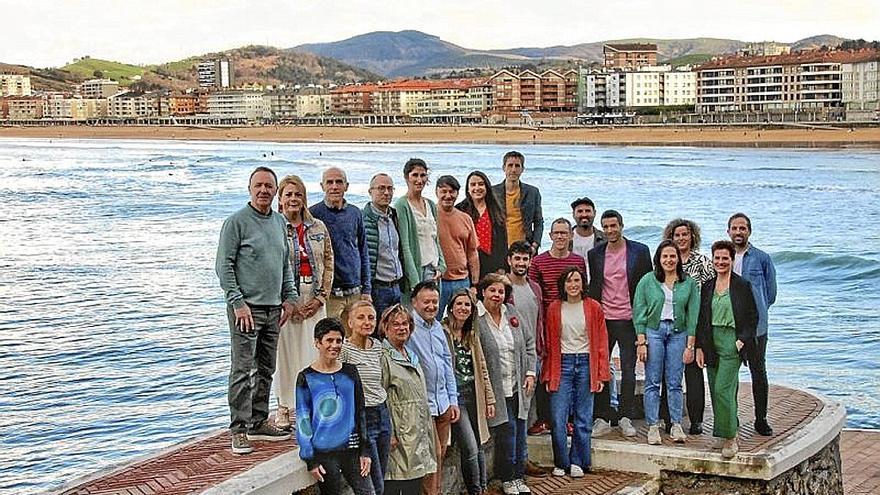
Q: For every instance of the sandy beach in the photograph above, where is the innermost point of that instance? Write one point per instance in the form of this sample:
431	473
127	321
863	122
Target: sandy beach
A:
674	136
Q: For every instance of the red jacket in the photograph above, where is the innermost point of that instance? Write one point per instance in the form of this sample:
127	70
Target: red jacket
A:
551	367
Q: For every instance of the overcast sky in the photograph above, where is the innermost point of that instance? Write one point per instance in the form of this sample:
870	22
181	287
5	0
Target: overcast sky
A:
45	33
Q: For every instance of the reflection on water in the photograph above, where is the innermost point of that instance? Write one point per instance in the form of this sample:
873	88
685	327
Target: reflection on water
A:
113	339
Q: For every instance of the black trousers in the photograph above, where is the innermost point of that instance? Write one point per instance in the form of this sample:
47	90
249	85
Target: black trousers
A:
695	397
758	369
403	487
343	464
623	334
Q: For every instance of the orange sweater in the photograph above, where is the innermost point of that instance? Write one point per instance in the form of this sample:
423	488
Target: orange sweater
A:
551	367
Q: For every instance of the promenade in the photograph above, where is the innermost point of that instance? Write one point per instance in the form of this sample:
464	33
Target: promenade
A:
624	466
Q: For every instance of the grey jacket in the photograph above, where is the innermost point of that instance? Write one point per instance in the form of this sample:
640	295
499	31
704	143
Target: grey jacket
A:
524	348
529	205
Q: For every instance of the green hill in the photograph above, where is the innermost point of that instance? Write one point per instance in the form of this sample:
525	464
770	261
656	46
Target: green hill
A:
88	68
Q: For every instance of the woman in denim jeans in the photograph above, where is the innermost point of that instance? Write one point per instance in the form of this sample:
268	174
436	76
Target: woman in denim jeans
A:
365	352
574	370
475	396
665	311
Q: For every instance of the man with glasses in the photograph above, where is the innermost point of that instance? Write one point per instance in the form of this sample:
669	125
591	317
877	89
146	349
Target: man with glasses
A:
383	243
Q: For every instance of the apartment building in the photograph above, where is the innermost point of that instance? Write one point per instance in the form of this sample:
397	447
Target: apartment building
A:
98	88
679	87
457	97
765	49
312	103
860	88
65	107
23	107
805	81
355	99
216	73
528	91
654	86
135	104
281	103
182	105
236	104
15	85
629	56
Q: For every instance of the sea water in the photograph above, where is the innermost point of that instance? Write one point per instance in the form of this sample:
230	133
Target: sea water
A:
113	336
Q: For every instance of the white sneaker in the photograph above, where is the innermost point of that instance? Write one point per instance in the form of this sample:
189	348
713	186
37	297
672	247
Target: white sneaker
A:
576	471
654	435
521	486
510	488
677	433
600	428
717	443
282	418
559	472
626	427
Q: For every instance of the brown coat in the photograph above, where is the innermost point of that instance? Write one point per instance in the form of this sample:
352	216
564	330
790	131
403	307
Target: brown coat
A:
485	396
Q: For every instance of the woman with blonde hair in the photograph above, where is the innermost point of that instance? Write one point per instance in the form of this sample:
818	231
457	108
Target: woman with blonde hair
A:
311	258
365	353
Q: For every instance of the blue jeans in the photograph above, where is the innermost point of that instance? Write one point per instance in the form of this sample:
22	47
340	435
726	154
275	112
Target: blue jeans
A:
384	297
510	443
379	432
573	395
447	288
466	433
665	350
252	365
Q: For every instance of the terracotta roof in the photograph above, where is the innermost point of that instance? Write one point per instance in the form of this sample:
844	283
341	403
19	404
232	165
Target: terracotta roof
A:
806	57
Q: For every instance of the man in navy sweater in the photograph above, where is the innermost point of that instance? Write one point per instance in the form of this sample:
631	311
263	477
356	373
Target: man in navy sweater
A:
351	260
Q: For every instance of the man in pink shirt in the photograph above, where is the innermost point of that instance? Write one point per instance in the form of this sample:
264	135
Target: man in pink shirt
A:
616	266
458	242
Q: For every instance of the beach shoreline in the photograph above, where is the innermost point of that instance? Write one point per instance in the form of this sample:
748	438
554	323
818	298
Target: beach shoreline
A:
709	136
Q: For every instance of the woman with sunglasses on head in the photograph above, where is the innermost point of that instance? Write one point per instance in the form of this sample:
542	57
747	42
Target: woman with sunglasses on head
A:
475	397
574	370
331	430
365	352
488	216
311	257
665	310
413	452
726	332
510	359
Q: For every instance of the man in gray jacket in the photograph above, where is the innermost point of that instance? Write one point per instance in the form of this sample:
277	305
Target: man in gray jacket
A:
521	203
254	272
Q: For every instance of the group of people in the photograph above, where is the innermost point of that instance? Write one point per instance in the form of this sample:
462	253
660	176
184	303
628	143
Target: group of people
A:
398	329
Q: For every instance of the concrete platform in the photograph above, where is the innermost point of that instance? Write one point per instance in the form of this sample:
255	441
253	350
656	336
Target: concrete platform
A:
804	424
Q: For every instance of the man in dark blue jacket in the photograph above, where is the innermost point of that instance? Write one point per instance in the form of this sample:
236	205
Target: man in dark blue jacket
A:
616	266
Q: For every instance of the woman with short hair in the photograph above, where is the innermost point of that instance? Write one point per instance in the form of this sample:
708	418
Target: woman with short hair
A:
510	359
413	450
726	332
311	258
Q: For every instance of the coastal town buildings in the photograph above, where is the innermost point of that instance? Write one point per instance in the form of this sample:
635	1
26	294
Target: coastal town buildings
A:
216	73
64	107
629	56
527	91
648	86
860	88
311	102
355	99
764	49
15	85
457	97
23	107
237	104
182	105
98	88
136	104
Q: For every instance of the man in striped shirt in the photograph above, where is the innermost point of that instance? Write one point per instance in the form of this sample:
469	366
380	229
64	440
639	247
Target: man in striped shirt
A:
545	270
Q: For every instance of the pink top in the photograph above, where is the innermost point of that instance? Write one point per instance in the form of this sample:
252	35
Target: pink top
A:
615	291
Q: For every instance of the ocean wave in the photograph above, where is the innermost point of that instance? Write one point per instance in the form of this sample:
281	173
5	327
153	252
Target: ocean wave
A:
844	267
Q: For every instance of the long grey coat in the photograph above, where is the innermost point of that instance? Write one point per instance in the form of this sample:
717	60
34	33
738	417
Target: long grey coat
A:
524	348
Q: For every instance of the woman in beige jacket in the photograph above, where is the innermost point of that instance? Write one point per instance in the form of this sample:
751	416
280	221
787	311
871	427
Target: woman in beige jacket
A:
311	258
476	399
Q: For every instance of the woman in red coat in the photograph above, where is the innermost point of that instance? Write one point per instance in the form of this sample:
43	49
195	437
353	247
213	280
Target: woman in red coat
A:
575	368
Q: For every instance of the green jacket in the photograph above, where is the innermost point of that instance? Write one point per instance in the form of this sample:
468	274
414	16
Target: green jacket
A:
409	241
648	304
414	455
371	226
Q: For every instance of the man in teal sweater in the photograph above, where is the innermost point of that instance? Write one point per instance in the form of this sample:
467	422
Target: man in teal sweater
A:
254	272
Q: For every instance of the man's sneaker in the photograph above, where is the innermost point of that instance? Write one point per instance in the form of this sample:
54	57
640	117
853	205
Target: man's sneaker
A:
696	429
539	428
576	471
282	418
521	486
677	433
558	471
240	444
267	432
654	435
510	488
626	427
600	428
763	427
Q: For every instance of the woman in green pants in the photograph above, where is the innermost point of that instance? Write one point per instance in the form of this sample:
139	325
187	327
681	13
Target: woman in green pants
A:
725	332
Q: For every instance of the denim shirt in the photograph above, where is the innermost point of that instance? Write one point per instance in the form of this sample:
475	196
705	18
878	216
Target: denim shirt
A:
291	237
428	341
758	269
